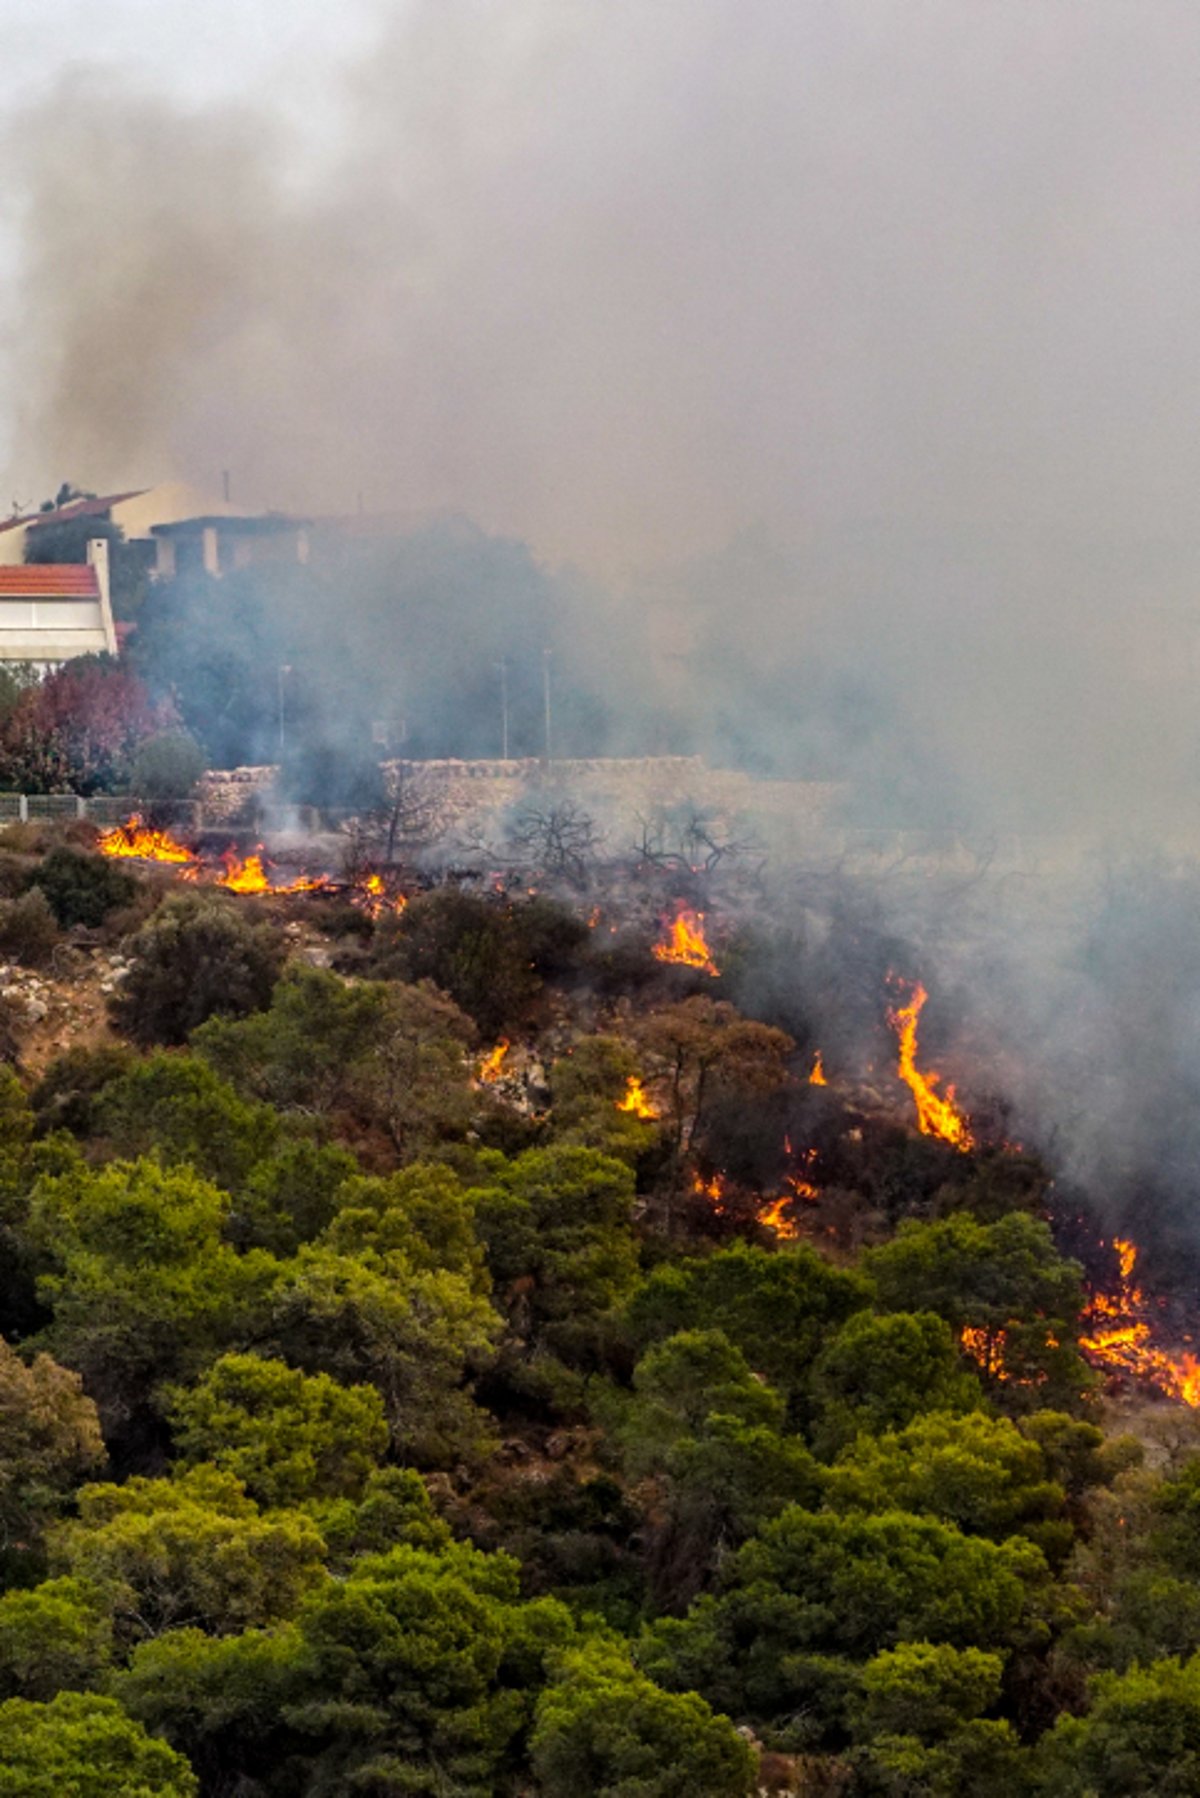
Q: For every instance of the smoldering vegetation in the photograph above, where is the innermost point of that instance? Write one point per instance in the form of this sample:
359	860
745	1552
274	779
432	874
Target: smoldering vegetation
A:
818	395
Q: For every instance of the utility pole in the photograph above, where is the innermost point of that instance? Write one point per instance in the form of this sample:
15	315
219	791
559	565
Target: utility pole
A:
546	696
502	665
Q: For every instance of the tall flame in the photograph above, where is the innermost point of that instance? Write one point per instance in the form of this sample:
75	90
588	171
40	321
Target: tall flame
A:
937	1114
685	944
817	1077
133	840
492	1064
635	1100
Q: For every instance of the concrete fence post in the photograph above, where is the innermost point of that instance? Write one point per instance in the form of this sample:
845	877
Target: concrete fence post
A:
23	808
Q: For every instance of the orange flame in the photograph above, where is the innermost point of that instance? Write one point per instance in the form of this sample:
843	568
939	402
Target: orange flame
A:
371	895
685	944
772	1216
132	839
636	1102
817	1077
937	1114
1119	1339
492	1063
250	876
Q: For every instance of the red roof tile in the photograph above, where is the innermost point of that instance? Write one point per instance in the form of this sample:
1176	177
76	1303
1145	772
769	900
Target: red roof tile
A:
49	580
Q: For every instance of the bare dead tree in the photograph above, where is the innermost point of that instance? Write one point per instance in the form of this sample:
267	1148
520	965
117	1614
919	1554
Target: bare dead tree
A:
686	841
412	815
560	839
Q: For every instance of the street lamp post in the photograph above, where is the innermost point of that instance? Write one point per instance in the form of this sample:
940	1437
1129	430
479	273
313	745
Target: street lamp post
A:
285	668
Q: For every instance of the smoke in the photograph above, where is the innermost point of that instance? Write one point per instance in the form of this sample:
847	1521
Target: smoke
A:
820	382
896	299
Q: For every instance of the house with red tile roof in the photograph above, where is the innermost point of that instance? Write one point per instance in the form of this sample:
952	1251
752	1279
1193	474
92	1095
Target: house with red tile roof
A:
51	612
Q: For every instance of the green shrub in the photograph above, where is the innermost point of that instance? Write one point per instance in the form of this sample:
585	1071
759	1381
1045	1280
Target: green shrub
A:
28	931
82	889
166	768
198	957
65	1096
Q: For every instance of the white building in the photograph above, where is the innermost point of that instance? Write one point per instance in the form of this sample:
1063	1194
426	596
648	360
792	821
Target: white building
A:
54	611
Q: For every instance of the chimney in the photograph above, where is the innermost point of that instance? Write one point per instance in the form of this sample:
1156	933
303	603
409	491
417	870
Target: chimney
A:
97	555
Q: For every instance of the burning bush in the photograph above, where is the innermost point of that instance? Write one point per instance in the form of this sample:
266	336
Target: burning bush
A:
82	889
198	957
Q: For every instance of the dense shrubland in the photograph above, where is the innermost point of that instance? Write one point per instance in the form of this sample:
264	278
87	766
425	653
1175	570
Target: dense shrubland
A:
369	1428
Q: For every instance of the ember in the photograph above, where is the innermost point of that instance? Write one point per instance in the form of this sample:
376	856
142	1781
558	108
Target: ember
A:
937	1114
133	840
635	1100
685	944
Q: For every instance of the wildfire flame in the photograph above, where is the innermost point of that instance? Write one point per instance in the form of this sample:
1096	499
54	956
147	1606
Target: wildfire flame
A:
937	1114
491	1065
817	1077
133	840
250	876
772	1216
371	894
1119	1337
685	944
636	1102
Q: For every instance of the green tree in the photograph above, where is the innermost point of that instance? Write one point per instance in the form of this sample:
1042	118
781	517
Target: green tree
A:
919	1712
166	770
176	1108
975	1471
422	1211
603	1728
415	1334
557	1227
778	1307
88	1747
468	947
54	1637
143	1288
190	1551
422	1672
680	1384
291	1196
814	1592
223	1702
50	1441
390	1056
57	1635
198	956
288	1436
1140	1738
878	1373
1007	1283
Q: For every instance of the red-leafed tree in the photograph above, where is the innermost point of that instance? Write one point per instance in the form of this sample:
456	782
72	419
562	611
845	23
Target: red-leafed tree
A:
78	730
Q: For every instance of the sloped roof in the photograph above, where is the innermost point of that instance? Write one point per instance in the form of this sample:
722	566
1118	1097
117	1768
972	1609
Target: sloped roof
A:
74	508
49	580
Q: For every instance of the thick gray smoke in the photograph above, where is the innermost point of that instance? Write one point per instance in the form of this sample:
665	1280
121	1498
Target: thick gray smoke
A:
848	349
905	289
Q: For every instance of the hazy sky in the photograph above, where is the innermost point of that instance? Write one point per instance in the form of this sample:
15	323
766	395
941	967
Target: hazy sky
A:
620	275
